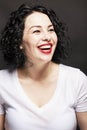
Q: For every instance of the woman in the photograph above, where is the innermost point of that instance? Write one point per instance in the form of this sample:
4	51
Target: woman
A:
39	92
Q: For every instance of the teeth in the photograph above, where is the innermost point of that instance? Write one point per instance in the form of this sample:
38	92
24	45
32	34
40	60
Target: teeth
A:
45	47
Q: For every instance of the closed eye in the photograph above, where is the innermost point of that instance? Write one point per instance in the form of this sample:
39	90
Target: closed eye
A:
36	31
52	30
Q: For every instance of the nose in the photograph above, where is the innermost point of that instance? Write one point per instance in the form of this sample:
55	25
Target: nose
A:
46	36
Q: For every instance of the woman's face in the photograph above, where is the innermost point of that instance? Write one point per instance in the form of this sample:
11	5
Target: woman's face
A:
39	37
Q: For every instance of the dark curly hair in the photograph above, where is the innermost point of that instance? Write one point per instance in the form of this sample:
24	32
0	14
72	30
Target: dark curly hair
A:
11	36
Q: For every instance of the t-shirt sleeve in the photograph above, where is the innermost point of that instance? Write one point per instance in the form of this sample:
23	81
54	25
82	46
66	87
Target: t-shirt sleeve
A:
81	102
1	106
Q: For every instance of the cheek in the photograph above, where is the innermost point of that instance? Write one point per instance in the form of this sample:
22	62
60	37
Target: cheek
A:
33	40
28	47
27	42
55	39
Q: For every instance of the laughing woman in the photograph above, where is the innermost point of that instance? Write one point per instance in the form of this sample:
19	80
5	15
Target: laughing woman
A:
37	91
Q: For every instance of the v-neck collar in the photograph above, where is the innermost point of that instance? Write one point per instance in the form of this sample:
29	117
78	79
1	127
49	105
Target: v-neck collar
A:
30	103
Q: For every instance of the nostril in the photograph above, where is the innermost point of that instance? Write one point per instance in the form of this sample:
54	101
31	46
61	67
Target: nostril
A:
47	38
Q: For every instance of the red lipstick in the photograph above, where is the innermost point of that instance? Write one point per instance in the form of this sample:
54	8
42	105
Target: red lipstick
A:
45	48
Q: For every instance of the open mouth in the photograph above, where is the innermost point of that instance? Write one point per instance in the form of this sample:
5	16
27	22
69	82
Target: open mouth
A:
45	48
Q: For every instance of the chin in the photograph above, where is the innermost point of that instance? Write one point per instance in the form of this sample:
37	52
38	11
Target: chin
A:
46	60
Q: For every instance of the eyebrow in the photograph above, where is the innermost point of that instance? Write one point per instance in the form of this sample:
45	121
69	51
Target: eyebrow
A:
38	26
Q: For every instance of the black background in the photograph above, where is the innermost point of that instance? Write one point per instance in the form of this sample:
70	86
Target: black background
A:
72	12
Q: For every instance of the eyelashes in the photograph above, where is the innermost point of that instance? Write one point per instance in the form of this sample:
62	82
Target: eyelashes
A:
39	31
36	31
52	30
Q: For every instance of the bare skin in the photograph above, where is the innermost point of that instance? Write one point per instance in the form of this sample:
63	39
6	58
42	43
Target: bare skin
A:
2	122
82	120
40	87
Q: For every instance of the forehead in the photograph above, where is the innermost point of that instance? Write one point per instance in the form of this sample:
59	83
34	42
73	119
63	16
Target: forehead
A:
37	18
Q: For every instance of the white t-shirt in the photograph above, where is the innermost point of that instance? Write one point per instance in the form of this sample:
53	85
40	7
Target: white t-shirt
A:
58	114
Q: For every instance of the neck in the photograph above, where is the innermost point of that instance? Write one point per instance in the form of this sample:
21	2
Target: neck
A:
36	72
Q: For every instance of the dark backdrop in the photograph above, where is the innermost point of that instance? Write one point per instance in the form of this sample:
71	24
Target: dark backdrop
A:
73	12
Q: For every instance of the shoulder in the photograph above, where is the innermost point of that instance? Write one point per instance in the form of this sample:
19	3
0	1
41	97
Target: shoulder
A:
72	71
69	68
73	76
74	82
6	77
5	72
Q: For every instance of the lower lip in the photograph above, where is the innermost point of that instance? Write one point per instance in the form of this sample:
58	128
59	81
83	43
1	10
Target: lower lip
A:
47	52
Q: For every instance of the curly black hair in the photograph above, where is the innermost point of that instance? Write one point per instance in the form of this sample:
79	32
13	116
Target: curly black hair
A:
12	34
